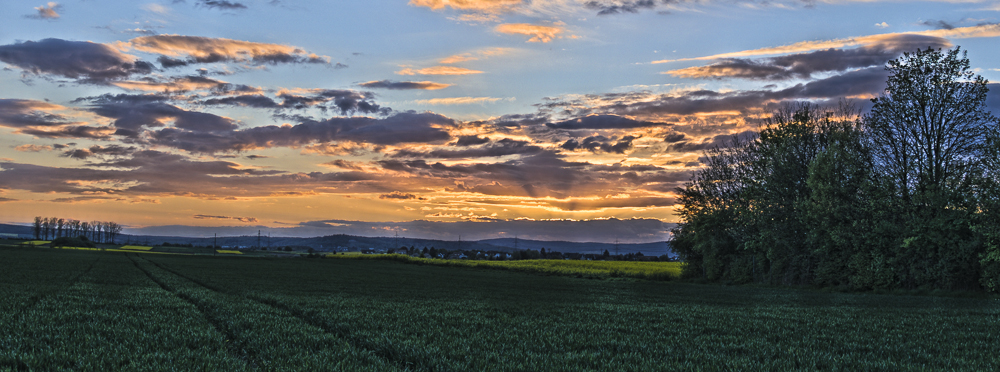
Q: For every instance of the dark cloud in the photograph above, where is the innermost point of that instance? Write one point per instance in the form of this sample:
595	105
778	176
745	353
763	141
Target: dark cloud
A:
112	150
21	113
804	65
210	217
397	129
400	196
345	101
255	101
599	144
131	113
149	172
502	147
404	85
84	61
673	137
941	25
471	141
602	122
605	7
197	49
222	4
869	81
718	141
71	131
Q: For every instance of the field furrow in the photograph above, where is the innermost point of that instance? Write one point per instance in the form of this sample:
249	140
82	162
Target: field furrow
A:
269	337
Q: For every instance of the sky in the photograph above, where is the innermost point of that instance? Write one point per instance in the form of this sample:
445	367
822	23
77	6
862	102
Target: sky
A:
548	119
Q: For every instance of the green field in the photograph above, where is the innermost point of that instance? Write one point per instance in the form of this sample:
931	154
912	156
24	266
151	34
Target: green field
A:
92	310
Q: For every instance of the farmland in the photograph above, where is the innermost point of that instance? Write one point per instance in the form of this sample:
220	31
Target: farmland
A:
93	310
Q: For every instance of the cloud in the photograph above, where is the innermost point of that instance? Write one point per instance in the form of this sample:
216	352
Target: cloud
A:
197	49
82	60
209	217
502	147
489	6
113	150
538	33
438	70
882	25
475	56
404	85
175	84
600	144
605	7
133	113
23	113
396	195
602	122
156	8
804	65
400	128
47	11
460	100
989	30
864	82
222	4
32	148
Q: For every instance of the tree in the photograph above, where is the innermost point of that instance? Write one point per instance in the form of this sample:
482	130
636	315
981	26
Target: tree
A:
930	127
930	132
37	227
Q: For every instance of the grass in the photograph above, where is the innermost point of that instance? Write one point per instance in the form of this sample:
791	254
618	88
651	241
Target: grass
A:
84	310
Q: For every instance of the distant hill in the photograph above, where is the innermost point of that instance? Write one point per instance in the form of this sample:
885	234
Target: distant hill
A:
331	242
648	249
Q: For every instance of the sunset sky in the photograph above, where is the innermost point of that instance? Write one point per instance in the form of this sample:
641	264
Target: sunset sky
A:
547	119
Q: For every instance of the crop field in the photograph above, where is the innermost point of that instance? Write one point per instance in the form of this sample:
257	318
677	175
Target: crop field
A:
577	268
93	310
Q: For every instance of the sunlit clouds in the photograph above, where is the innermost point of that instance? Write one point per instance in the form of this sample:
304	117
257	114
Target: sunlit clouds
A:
547	119
537	33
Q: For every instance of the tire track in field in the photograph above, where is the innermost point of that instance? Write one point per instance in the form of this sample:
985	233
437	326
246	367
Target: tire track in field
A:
231	348
398	358
34	300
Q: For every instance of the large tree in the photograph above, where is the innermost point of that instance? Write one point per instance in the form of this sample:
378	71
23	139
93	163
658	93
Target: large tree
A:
930	127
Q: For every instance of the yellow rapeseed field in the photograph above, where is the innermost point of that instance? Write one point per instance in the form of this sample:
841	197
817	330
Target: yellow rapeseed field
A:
136	247
228	251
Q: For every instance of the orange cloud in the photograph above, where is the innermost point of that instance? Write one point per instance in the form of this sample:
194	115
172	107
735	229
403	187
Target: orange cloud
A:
992	30
538	33
207	50
438	70
475	56
32	148
474	5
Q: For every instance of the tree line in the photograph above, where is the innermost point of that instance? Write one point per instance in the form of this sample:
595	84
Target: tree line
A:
49	228
905	196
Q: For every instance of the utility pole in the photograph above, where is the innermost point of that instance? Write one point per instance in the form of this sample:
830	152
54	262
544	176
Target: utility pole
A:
258	239
616	246
395	241
268	240
515	242
215	244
